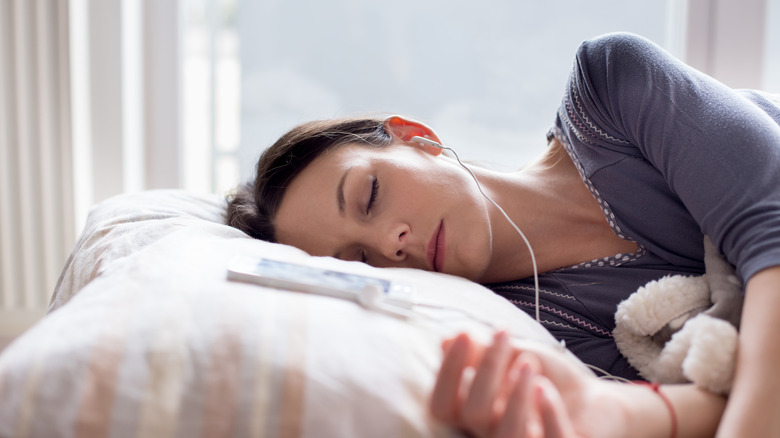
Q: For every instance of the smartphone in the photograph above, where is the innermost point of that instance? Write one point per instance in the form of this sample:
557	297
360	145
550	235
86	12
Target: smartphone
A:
302	278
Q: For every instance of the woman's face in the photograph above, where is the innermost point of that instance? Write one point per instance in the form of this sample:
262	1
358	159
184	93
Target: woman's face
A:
397	206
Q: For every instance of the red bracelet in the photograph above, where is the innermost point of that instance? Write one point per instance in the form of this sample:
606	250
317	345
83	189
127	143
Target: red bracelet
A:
656	388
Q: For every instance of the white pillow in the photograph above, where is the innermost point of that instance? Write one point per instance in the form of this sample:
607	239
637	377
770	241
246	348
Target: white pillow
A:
146	337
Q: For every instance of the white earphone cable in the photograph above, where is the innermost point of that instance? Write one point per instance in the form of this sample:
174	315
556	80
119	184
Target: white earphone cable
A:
435	144
602	374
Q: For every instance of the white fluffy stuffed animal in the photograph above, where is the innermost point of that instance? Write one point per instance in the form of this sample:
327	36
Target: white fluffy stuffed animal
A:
684	329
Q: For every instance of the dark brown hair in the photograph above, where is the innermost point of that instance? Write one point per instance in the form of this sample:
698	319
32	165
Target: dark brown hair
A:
253	206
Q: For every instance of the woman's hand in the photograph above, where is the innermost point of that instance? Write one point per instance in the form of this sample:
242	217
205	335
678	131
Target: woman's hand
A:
513	390
506	390
502	391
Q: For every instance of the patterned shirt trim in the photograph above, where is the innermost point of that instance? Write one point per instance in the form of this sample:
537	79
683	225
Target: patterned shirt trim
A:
558	324
617	259
567	114
591	127
510	287
592	328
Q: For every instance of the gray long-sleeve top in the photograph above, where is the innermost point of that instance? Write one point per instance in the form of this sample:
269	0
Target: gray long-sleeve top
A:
671	155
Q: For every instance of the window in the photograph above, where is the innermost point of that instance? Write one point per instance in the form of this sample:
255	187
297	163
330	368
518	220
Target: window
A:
488	80
211	107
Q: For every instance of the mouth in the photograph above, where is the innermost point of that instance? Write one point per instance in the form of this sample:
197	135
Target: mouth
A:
435	250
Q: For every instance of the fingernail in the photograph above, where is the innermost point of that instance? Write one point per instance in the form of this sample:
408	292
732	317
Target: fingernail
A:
526	371
501	336
514	374
461	340
540	393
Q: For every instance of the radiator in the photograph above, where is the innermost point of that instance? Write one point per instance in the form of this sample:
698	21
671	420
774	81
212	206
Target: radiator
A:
37	227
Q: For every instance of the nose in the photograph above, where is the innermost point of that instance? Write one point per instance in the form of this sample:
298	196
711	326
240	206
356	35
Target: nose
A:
394	241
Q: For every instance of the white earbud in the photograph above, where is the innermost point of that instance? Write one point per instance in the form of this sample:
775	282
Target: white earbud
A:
426	141
370	296
373	298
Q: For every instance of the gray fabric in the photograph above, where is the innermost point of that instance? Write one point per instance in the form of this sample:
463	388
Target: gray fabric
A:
671	154
675	153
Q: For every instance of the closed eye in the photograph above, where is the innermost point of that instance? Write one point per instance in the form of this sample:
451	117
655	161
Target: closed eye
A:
372	198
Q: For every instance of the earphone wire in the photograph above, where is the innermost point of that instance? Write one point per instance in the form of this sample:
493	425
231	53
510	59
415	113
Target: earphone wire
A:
506	216
602	374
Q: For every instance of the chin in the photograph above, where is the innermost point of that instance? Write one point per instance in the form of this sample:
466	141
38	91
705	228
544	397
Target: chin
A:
468	269
469	258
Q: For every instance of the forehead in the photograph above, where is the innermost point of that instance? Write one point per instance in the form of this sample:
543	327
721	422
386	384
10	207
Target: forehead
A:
309	205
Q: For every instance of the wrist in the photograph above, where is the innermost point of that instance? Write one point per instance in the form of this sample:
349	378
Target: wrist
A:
667	402
627	410
648	413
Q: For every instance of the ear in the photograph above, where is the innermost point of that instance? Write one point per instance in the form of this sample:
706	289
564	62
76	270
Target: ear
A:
403	129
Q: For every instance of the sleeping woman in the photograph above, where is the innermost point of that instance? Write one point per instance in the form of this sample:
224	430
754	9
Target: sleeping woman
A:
646	156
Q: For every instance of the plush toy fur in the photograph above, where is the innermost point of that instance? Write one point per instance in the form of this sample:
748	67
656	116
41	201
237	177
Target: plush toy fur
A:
684	329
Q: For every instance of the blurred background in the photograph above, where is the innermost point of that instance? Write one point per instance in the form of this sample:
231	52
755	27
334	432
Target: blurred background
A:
101	97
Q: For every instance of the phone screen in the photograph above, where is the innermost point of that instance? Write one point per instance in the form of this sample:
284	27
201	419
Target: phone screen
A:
317	277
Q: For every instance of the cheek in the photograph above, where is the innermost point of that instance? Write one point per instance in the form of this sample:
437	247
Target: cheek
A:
472	245
419	189
431	186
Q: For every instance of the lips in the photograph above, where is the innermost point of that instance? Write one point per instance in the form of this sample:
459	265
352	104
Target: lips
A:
435	250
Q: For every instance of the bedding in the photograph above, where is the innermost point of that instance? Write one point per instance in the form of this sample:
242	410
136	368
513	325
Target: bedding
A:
145	336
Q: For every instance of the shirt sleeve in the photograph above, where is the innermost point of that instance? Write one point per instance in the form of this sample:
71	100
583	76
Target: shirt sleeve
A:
717	151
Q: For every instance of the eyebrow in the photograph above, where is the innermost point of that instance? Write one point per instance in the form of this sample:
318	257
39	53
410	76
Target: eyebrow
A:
340	193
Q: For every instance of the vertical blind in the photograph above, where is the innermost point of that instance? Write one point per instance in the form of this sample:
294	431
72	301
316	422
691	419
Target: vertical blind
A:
36	193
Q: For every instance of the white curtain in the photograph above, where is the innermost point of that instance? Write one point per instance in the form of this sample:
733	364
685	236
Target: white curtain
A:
36	191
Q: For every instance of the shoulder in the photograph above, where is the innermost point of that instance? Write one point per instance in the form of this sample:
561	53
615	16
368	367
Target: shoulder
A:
616	70
618	43
620	53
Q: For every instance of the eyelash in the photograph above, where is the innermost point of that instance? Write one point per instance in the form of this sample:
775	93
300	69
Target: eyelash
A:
372	199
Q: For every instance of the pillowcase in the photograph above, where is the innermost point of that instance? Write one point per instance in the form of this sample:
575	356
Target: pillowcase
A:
146	337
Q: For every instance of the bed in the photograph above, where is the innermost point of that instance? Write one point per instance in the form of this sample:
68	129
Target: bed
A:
146	337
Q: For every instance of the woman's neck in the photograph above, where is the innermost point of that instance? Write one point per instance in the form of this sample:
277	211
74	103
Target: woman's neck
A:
552	207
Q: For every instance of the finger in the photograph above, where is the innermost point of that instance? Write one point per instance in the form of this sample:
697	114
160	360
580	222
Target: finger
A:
558	365
479	413
513	368
447	344
446	400
476	350
552	410
518	412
